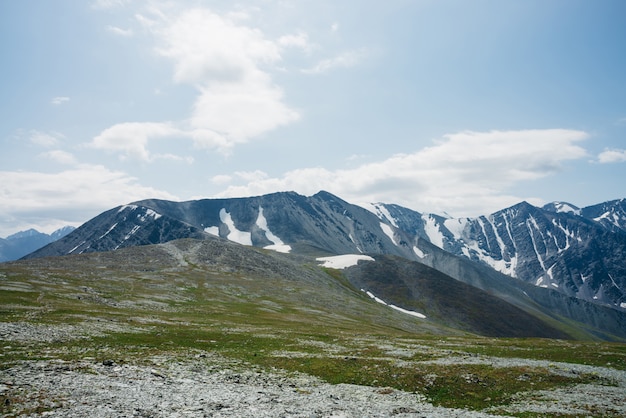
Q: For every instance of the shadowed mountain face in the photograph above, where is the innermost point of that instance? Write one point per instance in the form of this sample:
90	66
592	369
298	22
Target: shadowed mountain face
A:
549	262
416	287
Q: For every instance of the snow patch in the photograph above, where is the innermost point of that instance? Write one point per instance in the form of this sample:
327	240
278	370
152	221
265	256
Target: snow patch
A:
456	227
432	230
277	243
419	252
132	232
213	230
381	211
131	207
343	261
354	242
503	266
397	308
241	237
622	305
107	233
74	249
564	207
388	231
150	214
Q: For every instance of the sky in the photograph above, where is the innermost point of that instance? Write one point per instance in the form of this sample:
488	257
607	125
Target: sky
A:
443	106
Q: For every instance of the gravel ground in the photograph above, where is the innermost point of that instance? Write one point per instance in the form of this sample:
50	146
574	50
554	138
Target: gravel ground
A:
204	384
603	399
198	388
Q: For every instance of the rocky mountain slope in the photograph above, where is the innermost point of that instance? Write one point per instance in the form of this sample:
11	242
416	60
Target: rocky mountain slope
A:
324	224
577	252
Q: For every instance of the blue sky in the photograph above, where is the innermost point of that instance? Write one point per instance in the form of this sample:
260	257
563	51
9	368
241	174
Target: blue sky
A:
459	106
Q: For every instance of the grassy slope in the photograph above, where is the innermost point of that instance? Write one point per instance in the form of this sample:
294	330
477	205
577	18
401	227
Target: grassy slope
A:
270	311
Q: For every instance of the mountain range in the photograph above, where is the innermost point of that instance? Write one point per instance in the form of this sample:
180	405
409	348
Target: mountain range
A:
544	267
22	243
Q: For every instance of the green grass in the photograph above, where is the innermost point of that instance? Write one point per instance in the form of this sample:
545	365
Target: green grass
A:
578	352
324	328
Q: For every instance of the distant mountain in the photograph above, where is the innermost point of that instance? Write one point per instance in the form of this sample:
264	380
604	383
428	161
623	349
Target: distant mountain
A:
553	247
22	243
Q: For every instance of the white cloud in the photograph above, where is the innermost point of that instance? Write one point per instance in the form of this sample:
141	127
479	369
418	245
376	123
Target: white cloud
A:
60	156
612	156
206	47
31	199
344	60
226	63
127	33
131	138
466	174
45	139
237	112
59	100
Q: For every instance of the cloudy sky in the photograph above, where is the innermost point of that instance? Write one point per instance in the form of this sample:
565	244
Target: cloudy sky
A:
459	106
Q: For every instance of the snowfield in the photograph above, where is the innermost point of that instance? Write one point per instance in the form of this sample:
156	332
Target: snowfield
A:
343	261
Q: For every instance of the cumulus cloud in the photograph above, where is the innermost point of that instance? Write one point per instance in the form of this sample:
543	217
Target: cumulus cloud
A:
131	138
31	198
612	156
466	173
227	63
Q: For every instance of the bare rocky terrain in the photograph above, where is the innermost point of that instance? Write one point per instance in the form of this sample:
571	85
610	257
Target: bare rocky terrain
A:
198	383
198	329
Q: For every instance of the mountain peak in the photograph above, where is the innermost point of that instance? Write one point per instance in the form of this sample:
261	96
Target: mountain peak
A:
561	207
324	195
25	234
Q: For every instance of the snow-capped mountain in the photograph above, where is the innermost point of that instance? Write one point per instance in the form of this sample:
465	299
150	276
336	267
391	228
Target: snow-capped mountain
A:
610	214
24	242
562	207
577	252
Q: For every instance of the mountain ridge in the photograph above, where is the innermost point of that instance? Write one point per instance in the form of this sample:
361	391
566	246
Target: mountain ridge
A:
559	252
